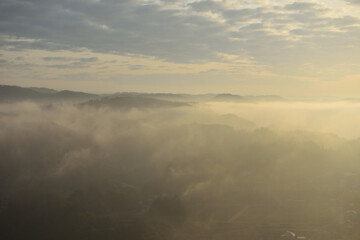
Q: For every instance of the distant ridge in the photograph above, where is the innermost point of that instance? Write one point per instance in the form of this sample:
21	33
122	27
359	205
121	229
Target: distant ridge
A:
227	97
66	94
132	101
15	94
43	90
167	96
265	98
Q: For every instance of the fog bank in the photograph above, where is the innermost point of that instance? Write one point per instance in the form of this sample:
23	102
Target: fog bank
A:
339	118
83	172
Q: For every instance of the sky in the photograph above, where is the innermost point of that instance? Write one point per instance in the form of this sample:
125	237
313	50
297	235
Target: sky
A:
302	48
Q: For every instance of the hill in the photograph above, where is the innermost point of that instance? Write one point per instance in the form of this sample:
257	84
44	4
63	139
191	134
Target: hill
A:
227	97
132	101
16	94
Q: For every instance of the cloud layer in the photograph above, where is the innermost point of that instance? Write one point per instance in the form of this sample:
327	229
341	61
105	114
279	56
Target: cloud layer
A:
254	42
166	173
177	31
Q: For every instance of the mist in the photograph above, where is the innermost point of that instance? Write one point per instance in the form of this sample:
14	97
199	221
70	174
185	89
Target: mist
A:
335	117
195	171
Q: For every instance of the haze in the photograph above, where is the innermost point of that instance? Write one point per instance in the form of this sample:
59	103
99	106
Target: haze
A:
143	166
338	117
179	119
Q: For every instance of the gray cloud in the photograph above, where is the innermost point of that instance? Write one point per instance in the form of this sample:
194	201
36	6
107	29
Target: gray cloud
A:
50	59
177	34
121	27
76	62
88	60
64	59
301	6
205	6
65	63
65	66
353	1
135	67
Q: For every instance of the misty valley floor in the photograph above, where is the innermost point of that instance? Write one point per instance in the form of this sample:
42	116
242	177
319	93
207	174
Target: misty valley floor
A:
123	169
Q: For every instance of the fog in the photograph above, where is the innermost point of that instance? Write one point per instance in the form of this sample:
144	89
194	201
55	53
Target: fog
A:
197	171
338	117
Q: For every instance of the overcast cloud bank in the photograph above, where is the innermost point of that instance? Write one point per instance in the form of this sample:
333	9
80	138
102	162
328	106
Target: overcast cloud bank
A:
168	173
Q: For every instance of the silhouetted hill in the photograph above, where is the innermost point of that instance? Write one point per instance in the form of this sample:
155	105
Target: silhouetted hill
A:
70	95
43	90
132	101
167	96
15	94
265	98
227	97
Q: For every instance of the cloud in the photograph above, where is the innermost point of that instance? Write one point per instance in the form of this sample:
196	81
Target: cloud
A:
283	37
75	62
89	60
177	34
50	59
113	171
204	6
132	27
353	1
301	6
136	67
